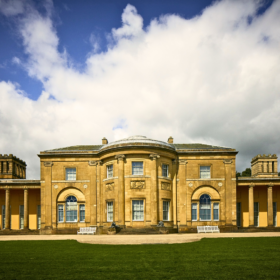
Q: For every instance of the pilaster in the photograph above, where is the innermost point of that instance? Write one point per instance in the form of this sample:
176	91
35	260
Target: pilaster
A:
99	194
26	210
270	205
154	190
228	191
7	209
251	205
174	192
182	193
121	190
93	192
48	194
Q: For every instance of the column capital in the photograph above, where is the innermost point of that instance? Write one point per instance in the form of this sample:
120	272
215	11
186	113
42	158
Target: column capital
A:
182	162
120	157
227	161
270	185
252	185
93	163
48	163
100	162
154	156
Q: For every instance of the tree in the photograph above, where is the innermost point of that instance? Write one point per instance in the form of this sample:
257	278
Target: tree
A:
246	173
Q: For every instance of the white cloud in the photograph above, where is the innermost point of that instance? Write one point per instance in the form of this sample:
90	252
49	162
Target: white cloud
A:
211	79
11	7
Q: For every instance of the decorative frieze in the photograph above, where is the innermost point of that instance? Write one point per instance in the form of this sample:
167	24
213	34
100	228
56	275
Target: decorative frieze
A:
109	187
165	186
137	184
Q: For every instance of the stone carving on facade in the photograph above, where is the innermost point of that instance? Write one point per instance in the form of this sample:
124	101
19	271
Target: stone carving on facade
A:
85	186
270	185
55	186
190	184
109	187
165	186
182	161
251	185
48	163
120	157
137	184
154	156
92	162
220	184
227	161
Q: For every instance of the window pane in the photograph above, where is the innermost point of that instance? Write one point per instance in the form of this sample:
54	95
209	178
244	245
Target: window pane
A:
110	171
204	172
38	216
216	211
21	216
110	211
3	217
71	209
275	214
71	174
256	214
60	213
137	210
205	208
165	170
166	210
82	212
194	211
137	168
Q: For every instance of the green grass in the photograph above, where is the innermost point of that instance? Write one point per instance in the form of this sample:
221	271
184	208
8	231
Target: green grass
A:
224	258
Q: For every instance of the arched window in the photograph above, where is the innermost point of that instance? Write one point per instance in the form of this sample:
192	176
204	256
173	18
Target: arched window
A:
71	209
205	208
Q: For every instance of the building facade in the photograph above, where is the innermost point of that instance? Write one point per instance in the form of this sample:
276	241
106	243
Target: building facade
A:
137	182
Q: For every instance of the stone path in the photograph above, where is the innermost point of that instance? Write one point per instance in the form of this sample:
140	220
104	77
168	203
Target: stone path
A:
137	239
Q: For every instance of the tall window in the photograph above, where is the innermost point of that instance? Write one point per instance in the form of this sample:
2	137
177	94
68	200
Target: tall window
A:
137	210
60	211
205	208
205	172
82	213
256	214
238	213
110	211
110	171
21	217
71	174
3	217
194	211
137	168
71	209
216	211
38	216
275	214
164	170
166	206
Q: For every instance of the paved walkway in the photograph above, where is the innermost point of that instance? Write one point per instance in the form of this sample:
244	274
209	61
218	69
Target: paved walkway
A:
137	239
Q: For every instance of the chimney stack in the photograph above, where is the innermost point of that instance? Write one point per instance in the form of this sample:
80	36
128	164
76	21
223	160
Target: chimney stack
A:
104	141
170	140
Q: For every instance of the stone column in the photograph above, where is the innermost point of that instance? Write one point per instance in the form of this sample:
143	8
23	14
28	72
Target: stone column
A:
228	190
154	190
48	194
121	190
182	194
174	192
7	210
251	205
269	205
93	192
26	210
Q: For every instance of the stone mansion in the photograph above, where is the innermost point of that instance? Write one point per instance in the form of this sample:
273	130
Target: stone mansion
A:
137	182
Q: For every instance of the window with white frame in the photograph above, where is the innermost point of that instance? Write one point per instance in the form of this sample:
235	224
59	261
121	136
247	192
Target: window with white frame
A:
71	209
194	211
110	171
166	206
21	217
110	211
60	213
82	212
137	168
38	216
137	210
205	172
3	216
70	174
205	208
275	214
216	211
164	170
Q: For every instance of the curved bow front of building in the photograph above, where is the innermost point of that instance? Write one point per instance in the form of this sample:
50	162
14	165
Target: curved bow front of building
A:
137	182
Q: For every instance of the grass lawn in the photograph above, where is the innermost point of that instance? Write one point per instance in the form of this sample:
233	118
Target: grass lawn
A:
224	258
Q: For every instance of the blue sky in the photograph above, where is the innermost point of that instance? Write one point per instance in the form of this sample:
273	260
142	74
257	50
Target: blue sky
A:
200	71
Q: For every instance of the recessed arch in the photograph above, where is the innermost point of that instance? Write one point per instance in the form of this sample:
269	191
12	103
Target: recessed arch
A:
209	190
71	191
